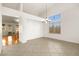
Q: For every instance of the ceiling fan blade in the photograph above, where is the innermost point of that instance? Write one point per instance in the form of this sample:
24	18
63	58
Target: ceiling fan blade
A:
49	20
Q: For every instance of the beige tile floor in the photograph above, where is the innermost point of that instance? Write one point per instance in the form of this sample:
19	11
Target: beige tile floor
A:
42	47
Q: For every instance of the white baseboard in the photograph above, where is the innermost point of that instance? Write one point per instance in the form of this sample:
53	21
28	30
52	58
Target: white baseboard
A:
0	50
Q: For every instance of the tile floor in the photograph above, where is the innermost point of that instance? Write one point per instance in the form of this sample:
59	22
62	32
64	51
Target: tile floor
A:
42	47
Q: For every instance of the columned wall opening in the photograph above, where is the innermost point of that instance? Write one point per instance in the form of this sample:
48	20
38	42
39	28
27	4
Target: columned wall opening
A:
10	30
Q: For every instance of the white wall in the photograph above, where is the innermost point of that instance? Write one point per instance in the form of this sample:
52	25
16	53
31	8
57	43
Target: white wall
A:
30	28
69	26
10	12
0	29
34	29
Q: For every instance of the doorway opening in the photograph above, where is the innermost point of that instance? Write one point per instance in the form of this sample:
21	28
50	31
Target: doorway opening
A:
10	30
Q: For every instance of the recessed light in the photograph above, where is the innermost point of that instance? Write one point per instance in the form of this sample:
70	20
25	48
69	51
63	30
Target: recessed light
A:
17	20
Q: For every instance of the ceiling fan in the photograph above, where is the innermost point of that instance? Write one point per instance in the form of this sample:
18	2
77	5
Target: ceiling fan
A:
46	20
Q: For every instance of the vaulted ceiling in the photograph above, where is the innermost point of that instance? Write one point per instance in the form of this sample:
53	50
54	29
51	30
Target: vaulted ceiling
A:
39	9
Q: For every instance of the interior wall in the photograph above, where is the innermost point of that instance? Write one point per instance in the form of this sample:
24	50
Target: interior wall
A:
0	29
69	26
34	29
10	12
30	28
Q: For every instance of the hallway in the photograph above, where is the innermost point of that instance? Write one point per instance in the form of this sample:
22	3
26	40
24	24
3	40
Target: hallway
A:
42	47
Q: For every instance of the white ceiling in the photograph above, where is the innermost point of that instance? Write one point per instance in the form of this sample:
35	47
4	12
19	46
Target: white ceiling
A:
34	8
15	6
8	19
39	9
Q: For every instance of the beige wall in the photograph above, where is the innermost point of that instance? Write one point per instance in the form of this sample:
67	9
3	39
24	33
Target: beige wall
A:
69	26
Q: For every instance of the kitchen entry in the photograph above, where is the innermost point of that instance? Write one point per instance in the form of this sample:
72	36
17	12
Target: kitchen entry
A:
10	30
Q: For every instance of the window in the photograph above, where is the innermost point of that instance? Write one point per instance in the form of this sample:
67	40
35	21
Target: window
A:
54	25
